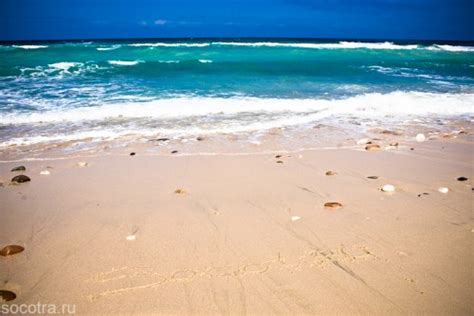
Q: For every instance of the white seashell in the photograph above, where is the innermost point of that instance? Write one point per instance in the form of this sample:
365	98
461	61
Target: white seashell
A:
45	173
388	188
82	164
420	138
443	190
131	237
295	218
362	141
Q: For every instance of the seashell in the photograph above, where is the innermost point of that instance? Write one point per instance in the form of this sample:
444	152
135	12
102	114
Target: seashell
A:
7	296
179	191
331	173
19	168
373	177
295	218
21	179
388	188
443	190
279	161
332	205
11	250
131	237
45	173
82	164
372	147
363	141
462	179
420	138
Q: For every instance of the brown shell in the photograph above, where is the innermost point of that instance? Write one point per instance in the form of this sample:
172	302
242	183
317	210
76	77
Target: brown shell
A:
11	250
21	179
332	205
331	173
373	177
7	295
179	191
371	147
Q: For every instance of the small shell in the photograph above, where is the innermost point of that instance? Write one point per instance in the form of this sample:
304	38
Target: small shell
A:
7	296
372	147
11	250
420	138
443	190
388	188
332	205
45	173
82	164
19	168
331	173
362	141
179	191
295	218
131	237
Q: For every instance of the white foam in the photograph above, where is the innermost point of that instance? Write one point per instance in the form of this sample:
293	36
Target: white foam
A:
169	44
340	45
205	61
363	105
30	46
64	65
108	48
124	62
452	48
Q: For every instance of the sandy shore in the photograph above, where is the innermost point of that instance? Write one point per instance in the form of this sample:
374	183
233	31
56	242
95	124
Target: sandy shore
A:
245	235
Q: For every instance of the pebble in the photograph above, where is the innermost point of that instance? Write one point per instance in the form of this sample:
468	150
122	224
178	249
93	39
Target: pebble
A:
462	179
372	177
332	205
179	191
131	237
443	190
420	138
331	173
388	188
45	173
295	218
132	154
372	147
82	164
11	250
21	179
19	168
174	152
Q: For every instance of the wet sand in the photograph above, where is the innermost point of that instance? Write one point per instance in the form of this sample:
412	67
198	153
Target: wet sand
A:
244	234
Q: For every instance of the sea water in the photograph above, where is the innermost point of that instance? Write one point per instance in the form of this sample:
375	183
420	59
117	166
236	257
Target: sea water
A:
62	91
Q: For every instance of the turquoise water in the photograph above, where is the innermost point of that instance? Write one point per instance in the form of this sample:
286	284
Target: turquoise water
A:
58	91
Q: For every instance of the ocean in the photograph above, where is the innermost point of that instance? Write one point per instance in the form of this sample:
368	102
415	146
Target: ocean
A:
101	90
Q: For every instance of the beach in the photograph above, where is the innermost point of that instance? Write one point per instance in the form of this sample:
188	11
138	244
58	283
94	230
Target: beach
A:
138	230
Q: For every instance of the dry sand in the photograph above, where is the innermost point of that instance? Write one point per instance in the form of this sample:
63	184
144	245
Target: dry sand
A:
246	235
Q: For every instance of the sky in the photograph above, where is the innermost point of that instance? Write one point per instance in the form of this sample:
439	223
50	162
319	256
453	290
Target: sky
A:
348	19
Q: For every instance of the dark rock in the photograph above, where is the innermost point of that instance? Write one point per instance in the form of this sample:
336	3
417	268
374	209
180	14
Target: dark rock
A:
174	152
462	179
19	168
373	177
199	138
278	156
132	154
11	250
279	161
21	179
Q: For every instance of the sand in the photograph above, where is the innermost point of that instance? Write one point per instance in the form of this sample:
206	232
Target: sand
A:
244	234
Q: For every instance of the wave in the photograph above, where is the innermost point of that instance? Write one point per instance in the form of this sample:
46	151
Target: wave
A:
452	48
114	47
125	62
340	45
205	61
64	65
30	46
170	44
369	104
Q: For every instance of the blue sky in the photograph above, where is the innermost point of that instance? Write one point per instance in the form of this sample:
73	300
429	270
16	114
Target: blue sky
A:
376	19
